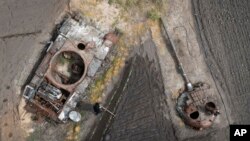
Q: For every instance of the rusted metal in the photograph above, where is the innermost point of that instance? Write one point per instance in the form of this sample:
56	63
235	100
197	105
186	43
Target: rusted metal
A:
67	47
195	108
193	104
52	90
50	95
180	66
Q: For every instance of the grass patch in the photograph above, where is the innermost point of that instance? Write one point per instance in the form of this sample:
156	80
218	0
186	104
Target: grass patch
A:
111	1
158	2
97	89
126	4
73	132
130	3
62	60
153	15
35	135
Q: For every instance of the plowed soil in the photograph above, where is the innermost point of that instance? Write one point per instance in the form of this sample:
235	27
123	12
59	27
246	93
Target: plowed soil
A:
223	29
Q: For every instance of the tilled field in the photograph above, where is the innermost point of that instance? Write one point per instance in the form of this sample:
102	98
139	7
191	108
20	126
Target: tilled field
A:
223	29
142	111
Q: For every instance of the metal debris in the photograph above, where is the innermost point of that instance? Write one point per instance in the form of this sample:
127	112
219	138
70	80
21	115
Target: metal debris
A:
194	105
66	70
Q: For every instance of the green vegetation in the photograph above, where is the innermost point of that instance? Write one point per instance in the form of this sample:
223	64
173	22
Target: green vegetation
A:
130	3
126	4
150	8
135	3
35	135
111	1
63	60
158	2
118	31
98	87
153	15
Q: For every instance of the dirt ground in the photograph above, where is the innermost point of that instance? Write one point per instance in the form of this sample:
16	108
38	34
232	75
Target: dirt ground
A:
212	40
203	49
181	25
140	115
141	111
223	31
24	26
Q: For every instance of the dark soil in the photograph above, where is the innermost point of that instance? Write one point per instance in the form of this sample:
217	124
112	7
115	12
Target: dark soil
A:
142	113
223	29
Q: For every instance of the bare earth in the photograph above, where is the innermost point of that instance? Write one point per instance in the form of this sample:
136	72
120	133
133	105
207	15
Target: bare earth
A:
212	39
223	29
219	58
23	26
142	108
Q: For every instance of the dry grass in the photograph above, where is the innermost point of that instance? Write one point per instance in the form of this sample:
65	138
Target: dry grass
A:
73	133
124	20
123	47
118	62
131	17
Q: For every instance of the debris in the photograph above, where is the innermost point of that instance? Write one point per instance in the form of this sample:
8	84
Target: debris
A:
75	116
193	104
195	108
99	108
68	64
